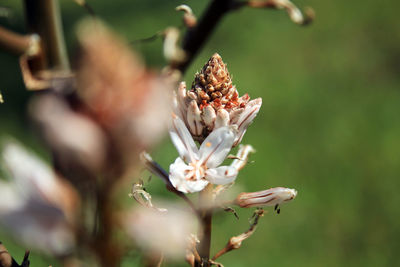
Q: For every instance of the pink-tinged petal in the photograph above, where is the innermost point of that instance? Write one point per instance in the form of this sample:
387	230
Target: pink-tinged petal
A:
182	140
221	175
234	115
209	116
177	176
216	146
270	197
247	117
177	108
222	119
182	99
194	118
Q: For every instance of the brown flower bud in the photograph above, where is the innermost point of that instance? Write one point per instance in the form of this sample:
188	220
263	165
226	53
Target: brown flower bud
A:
213	88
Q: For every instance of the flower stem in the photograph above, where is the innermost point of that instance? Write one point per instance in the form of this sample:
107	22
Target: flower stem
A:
206	225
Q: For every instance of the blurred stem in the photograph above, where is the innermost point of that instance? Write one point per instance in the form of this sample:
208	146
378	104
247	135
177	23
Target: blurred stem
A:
43	17
15	43
196	37
205	199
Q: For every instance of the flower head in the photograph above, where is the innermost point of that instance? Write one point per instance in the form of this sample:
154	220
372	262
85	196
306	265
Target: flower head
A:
196	168
214	102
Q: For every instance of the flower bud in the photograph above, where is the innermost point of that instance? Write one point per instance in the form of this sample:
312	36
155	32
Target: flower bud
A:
270	197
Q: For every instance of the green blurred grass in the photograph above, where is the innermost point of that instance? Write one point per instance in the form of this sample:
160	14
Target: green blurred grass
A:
329	125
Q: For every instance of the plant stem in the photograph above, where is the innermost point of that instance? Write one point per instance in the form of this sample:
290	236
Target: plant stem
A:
44	18
196	37
206	225
13	42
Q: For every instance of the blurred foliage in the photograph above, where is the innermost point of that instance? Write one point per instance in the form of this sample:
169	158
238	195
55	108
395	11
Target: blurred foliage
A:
329	125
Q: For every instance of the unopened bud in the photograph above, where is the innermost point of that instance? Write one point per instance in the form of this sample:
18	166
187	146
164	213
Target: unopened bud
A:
270	197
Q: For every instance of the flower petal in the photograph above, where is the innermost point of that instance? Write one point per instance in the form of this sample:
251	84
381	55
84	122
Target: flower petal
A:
177	177
222	119
194	118
209	116
247	117
221	175
216	147
182	140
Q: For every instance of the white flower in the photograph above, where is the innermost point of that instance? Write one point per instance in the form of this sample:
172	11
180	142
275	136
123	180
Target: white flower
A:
201	167
36	207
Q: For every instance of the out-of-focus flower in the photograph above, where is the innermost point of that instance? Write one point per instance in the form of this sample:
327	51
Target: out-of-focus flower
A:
131	102
214	102
36	207
167	232
201	167
74	138
270	197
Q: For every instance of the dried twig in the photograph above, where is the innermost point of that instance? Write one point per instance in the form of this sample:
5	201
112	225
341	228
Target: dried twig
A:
293	11
236	241
196	36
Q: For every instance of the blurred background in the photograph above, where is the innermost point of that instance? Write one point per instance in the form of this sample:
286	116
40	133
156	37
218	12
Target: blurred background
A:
329	125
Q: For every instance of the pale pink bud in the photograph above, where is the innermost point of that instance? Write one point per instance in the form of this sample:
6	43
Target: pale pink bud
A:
270	197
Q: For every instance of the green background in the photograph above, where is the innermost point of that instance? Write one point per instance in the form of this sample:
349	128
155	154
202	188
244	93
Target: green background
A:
329	125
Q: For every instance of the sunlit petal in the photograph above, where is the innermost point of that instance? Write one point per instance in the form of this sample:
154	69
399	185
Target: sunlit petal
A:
182	140
216	146
221	175
177	171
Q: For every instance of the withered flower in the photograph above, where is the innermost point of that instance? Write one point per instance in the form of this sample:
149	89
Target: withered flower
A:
213	102
127	99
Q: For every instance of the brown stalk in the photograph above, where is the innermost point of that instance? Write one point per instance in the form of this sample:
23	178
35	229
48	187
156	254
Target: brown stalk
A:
206	226
15	43
196	37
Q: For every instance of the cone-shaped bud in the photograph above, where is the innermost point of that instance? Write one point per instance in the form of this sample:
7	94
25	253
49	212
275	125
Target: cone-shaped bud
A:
217	100
270	197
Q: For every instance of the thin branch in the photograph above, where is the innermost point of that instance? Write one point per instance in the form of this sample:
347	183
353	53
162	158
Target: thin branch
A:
43	17
196	37
236	241
293	11
19	44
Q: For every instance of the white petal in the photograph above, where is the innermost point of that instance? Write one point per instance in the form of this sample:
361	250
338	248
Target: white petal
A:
234	115
209	116
182	100
216	147
35	178
177	108
194	118
222	118
182	140
247	117
177	171
221	175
